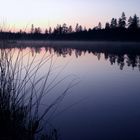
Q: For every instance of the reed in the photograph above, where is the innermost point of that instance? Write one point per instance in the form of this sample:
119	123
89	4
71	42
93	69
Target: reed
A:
21	94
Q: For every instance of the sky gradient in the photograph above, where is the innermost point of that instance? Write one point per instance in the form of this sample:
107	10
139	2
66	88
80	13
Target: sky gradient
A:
16	14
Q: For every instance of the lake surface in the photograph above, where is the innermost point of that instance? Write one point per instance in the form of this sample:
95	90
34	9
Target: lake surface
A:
105	102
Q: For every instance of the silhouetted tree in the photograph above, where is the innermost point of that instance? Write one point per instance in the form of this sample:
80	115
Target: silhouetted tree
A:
70	30
46	31
122	21
55	31
113	23
58	29
32	29
64	28
50	30
78	28
134	22
113	31
107	25
100	26
37	30
130	20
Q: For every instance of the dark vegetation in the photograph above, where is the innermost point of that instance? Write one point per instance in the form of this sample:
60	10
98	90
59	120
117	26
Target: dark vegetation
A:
121	29
121	53
21	95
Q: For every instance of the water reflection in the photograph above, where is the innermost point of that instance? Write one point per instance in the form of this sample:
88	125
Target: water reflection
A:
123	54
111	108
122	59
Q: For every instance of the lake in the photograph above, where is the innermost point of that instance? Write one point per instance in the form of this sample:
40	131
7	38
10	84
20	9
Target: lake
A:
103	101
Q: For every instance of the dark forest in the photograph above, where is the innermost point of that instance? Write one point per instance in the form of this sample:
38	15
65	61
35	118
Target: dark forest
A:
122	29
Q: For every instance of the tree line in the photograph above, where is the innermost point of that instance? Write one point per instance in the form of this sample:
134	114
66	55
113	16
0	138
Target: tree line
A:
121	23
116	29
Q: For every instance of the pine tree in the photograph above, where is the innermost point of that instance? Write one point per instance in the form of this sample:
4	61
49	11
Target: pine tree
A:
32	29
107	25
122	21
113	24
133	22
99	25
130	20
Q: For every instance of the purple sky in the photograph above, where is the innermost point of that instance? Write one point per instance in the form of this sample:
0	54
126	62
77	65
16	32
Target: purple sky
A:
15	14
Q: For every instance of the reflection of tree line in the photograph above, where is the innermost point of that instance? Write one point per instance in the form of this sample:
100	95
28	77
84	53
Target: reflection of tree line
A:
122	59
123	54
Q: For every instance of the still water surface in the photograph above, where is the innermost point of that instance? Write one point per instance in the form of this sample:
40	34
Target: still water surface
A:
105	104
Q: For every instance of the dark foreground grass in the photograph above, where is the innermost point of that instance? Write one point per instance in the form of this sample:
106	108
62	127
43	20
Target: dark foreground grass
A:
20	99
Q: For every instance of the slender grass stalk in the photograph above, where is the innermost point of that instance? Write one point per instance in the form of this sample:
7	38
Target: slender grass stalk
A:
21	94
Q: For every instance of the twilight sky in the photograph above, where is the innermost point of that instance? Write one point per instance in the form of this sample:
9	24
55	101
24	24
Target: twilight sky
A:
15	14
